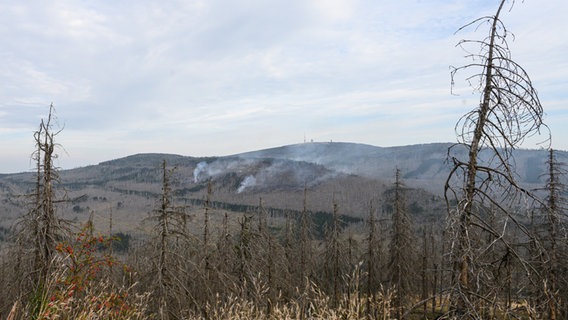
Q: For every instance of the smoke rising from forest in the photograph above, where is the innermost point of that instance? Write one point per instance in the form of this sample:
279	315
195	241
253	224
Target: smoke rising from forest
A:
263	173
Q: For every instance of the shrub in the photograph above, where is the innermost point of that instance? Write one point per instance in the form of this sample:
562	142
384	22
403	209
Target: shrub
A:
81	287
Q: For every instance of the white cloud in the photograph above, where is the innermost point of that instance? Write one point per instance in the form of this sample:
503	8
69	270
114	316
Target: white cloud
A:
218	77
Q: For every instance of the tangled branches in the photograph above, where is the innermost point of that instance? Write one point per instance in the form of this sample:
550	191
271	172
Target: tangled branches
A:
509	112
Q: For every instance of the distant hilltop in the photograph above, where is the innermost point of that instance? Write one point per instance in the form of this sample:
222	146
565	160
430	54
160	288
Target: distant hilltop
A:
350	173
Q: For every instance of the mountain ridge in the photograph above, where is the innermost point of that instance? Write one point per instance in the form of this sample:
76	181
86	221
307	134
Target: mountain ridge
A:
419	163
349	173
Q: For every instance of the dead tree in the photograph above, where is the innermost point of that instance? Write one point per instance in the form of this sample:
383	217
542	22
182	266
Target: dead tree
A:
289	246
424	272
244	253
206	232
551	229
225	250
401	246
509	112
334	262
48	225
270	259
305	250
373	251
40	229
170	276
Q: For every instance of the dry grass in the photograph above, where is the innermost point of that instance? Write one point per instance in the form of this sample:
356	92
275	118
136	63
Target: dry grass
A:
312	303
105	301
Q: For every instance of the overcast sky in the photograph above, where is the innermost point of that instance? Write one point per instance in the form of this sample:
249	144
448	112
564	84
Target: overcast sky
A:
218	77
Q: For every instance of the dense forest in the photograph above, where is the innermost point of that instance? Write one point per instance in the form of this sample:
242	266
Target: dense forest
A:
500	253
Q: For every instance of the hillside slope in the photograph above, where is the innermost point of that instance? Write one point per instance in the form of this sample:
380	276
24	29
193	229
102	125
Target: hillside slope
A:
350	174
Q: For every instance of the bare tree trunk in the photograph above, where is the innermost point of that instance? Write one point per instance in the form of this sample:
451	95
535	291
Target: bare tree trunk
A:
401	249
335	259
305	240
553	213
508	112
170	278
163	282
40	229
424	272
434	270
464	255
206	226
336	255
371	256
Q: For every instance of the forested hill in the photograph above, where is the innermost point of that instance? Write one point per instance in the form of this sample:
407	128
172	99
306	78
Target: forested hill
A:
421	165
350	174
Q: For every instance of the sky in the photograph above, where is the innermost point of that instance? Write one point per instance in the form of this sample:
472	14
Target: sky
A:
220	77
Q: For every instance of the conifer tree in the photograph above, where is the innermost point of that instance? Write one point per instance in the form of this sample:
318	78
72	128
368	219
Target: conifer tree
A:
401	271
41	228
206	232
508	112
334	258
552	234
170	278
304	270
373	259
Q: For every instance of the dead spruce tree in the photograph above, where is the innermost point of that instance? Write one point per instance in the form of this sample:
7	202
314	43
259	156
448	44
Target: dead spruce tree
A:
558	235
509	112
272	264
169	277
40	229
206	232
401	253
305	245
550	227
334	258
244	256
372	258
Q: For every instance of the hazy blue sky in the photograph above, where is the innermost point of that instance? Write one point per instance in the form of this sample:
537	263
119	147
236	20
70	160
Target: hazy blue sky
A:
218	77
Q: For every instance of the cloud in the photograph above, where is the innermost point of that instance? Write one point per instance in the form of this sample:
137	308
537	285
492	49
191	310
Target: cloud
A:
221	77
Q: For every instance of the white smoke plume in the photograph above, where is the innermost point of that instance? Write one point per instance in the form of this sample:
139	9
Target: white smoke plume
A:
204	171
249	181
200	171
263	173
